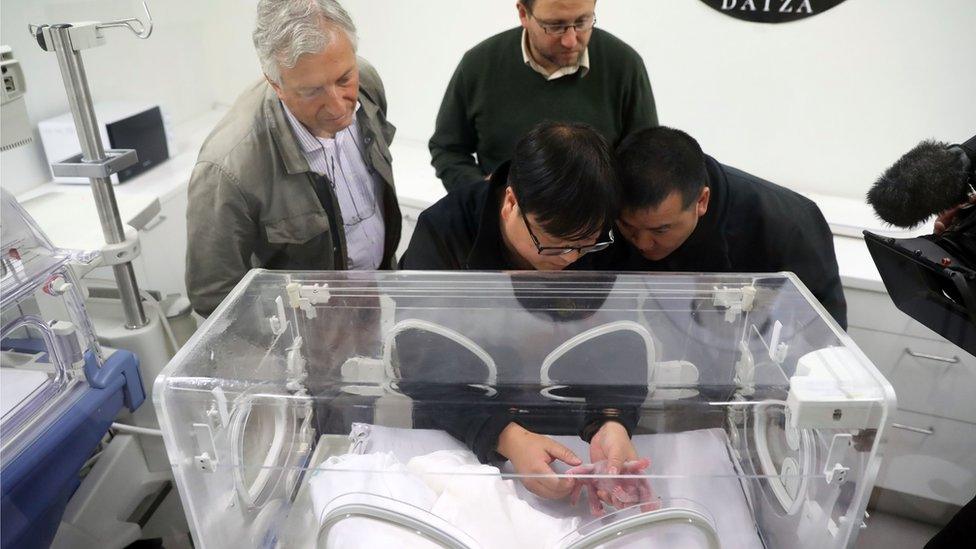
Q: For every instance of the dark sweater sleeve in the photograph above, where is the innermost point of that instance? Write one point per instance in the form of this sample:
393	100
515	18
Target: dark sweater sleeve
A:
473	419
639	106
477	421
455	141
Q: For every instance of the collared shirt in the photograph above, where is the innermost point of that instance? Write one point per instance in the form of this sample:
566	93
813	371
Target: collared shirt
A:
340	159
584	63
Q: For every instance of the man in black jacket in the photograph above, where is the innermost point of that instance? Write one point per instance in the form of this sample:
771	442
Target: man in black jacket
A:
545	210
684	211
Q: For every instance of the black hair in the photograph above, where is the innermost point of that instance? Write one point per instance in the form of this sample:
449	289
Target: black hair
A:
562	173
654	162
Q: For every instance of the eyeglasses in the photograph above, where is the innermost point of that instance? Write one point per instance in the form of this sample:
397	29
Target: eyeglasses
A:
563	250
558	29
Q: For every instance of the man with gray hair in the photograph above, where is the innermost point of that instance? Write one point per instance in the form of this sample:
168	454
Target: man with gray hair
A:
298	174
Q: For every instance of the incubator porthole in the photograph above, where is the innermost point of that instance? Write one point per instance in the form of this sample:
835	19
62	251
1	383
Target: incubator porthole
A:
257	437
263	438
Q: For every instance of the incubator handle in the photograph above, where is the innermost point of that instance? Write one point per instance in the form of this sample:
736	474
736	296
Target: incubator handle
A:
397	513
671	515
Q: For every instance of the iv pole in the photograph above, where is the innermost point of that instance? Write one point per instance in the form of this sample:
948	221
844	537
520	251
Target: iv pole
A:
95	162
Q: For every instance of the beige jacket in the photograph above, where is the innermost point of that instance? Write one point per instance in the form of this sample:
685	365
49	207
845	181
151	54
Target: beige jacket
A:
254	203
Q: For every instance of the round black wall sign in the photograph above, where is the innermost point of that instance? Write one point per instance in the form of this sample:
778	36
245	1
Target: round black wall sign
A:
771	11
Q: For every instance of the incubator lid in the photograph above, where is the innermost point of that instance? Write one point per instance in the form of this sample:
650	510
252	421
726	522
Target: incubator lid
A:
673	333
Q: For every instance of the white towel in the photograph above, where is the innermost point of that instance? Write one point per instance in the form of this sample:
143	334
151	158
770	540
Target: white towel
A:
380	474
476	499
449	484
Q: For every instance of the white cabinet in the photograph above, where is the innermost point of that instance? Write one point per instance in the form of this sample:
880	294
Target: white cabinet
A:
930	448
164	247
931	457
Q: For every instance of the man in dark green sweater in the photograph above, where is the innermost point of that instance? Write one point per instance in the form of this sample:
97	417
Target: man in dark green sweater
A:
556	67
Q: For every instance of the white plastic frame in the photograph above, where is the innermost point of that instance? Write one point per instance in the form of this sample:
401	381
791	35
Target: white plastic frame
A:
569	344
457	337
287	435
791	505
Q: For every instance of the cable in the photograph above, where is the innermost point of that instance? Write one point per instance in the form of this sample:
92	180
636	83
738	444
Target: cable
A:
145	295
162	318
133	430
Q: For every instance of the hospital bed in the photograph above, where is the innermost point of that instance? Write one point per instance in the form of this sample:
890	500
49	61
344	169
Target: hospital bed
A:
328	409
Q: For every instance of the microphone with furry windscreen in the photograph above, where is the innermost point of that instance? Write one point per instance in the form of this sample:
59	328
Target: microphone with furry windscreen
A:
931	178
931	278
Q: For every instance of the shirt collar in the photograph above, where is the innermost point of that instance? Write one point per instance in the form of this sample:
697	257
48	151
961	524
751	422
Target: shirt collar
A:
583	67
309	142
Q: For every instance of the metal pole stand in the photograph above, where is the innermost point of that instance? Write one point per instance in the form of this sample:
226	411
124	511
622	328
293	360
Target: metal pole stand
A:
94	162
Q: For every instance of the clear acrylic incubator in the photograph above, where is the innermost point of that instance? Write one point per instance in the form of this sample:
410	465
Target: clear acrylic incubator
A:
358	409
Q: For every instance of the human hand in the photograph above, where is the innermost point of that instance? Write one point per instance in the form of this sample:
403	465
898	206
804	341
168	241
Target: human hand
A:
532	454
618	491
612	453
612	444
945	219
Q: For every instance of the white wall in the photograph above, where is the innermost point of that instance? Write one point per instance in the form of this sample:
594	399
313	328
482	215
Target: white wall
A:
819	105
180	66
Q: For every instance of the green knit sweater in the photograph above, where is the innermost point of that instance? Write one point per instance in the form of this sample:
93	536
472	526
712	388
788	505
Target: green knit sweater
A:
494	98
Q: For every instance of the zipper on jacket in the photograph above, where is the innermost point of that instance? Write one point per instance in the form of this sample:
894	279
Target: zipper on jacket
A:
330	203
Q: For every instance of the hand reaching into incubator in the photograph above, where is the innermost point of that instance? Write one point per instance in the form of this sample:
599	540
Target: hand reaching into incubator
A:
626	489
612	453
533	454
612	444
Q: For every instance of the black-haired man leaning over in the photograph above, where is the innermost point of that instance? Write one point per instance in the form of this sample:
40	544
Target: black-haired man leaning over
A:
684	211
545	210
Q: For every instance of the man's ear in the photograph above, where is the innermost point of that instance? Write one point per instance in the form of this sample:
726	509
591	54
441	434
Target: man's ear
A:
701	206
523	13
509	204
274	86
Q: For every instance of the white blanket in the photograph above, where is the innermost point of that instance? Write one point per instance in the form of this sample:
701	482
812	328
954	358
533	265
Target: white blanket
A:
449	484
476	499
376	473
502	513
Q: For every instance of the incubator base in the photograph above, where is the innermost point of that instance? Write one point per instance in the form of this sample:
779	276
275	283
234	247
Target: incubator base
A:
98	513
